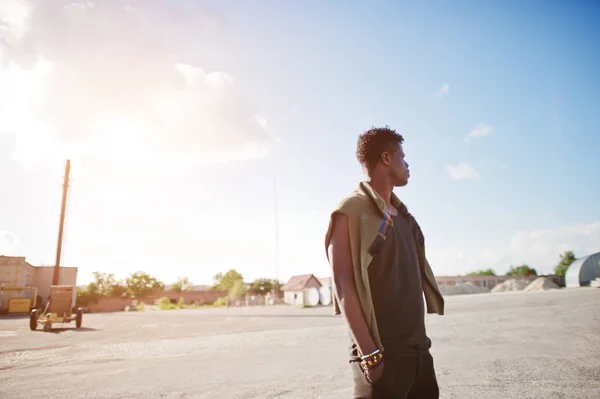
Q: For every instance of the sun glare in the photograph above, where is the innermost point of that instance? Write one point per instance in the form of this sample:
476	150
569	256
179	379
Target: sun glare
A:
120	137
171	111
16	14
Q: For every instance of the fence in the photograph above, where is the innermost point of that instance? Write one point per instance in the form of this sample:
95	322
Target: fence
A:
189	298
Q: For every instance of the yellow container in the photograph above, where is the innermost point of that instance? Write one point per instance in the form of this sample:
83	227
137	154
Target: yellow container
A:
19	305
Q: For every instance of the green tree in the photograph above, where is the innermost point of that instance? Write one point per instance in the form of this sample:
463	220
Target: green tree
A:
142	285
118	290
264	285
238	289
91	289
486	272
217	278
105	284
227	280
182	284
102	284
566	259
523	270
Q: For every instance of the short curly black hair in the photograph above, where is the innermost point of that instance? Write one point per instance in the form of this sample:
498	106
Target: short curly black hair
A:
372	143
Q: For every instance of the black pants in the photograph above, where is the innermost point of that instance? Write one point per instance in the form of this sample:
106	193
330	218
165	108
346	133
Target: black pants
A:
404	377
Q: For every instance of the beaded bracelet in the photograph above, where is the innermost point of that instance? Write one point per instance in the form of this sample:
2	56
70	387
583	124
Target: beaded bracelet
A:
371	360
364	357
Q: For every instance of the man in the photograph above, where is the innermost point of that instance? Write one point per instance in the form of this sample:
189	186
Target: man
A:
380	273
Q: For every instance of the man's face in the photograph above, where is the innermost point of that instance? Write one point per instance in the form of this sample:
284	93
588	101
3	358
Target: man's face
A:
399	172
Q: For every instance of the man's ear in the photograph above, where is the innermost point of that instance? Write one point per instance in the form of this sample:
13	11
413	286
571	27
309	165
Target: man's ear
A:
386	158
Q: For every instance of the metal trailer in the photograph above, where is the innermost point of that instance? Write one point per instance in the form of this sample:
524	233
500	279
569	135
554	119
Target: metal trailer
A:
59	309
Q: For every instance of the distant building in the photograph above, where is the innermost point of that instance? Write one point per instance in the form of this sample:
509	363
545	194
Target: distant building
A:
583	271
20	279
326	281
326	291
481	281
297	290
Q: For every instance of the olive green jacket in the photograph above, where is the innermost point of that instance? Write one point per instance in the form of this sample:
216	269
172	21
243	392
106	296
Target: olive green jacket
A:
369	224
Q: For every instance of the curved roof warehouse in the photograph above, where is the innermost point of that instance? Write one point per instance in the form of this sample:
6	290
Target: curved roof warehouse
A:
583	271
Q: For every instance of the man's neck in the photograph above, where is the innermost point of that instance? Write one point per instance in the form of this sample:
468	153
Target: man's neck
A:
383	188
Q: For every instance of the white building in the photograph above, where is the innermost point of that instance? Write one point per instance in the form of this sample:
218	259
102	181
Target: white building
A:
300	290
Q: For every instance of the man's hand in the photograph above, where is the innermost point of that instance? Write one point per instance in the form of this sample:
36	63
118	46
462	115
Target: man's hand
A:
375	373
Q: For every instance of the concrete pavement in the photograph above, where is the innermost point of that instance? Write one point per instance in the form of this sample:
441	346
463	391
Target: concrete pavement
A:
509	345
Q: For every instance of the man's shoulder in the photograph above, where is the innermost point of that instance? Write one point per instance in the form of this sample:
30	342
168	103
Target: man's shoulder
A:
353	203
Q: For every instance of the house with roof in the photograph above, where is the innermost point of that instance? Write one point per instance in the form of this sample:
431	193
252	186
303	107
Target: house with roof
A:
326	281
297	291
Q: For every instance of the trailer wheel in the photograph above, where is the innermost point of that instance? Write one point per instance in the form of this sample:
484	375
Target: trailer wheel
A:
33	319
79	318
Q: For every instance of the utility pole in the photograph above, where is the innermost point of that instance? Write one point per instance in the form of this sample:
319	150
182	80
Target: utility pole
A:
276	209
55	276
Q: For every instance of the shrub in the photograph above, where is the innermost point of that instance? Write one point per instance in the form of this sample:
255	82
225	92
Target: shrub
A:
181	303
164	303
219	302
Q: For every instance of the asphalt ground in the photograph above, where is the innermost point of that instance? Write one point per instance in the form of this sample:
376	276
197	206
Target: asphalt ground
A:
507	345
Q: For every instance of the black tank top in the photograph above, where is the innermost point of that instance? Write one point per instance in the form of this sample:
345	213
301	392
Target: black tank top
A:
397	292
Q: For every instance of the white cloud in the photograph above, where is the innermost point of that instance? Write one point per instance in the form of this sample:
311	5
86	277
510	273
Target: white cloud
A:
457	261
9	244
538	245
110	81
462	171
480	130
442	91
493	163
539	249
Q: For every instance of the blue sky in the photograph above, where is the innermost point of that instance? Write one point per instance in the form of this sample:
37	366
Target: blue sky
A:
520	78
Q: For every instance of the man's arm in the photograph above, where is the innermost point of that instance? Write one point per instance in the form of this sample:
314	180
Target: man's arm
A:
340	258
